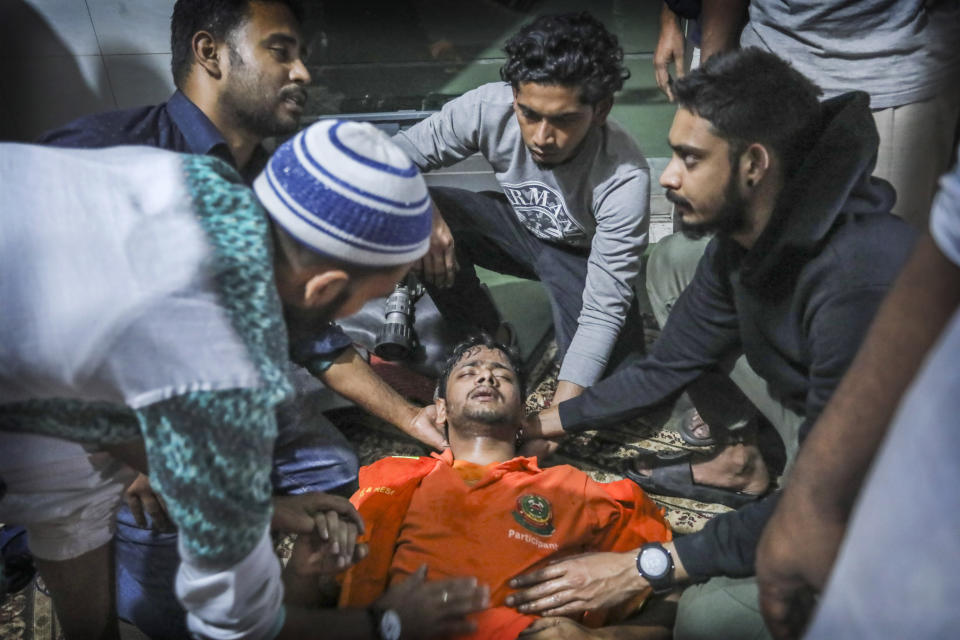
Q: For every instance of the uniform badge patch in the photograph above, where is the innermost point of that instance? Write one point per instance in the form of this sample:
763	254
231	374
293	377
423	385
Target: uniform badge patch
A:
535	514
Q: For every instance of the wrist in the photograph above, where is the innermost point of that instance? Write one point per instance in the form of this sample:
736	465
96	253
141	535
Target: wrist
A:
385	623
655	564
633	582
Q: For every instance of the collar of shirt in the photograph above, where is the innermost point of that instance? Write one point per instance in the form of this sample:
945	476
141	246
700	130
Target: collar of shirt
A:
201	135
204	138
520	463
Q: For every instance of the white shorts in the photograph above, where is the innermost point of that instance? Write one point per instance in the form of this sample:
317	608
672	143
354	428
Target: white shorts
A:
65	494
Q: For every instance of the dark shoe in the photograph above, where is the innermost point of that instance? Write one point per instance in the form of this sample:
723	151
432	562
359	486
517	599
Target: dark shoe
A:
671	475
690	422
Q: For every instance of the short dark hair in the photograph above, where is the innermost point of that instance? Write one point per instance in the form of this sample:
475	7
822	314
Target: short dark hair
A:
750	95
474	342
570	50
217	17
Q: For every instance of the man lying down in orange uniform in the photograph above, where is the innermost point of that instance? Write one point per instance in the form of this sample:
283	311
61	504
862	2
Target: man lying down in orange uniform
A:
479	510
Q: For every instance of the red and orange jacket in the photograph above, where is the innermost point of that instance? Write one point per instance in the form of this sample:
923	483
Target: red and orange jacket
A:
508	519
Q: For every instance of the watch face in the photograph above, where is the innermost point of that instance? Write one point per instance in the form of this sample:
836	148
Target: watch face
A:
654	562
390	625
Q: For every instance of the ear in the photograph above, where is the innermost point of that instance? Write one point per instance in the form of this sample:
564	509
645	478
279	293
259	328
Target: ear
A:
601	110
441	411
324	287
755	164
206	53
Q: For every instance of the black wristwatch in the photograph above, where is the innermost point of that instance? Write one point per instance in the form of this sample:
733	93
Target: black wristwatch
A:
386	623
655	564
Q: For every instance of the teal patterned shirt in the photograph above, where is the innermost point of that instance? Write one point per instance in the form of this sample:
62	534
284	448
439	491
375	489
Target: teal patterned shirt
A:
209	452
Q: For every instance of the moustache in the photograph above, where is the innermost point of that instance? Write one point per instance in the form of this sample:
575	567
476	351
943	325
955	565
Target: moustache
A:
484	389
677	200
296	93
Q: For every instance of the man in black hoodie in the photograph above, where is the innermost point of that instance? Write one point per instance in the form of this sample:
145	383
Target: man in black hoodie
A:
805	249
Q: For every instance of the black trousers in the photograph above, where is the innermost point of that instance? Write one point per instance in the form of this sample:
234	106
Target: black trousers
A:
486	233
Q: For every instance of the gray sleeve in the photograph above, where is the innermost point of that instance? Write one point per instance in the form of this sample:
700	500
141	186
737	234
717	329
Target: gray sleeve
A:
622	223
446	137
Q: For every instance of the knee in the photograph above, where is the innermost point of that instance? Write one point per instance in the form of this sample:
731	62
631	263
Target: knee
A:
670	268
720	608
348	467
448	199
314	466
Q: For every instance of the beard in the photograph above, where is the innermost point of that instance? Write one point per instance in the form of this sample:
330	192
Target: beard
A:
486	414
246	102
484	419
730	218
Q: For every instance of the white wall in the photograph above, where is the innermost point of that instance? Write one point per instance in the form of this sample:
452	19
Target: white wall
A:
60	59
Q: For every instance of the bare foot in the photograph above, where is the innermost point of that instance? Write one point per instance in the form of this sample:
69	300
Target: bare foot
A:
739	467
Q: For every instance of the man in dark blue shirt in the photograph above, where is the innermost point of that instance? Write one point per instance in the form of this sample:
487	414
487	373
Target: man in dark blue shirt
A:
240	78
177	124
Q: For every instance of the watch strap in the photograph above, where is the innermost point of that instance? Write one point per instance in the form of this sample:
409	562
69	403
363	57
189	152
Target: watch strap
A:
660	583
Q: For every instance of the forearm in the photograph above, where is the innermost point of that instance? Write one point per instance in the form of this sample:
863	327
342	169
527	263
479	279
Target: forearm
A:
354	379
721	22
627	393
836	455
680	573
605	304
726	546
210	457
589	351
668	20
566	390
616	253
